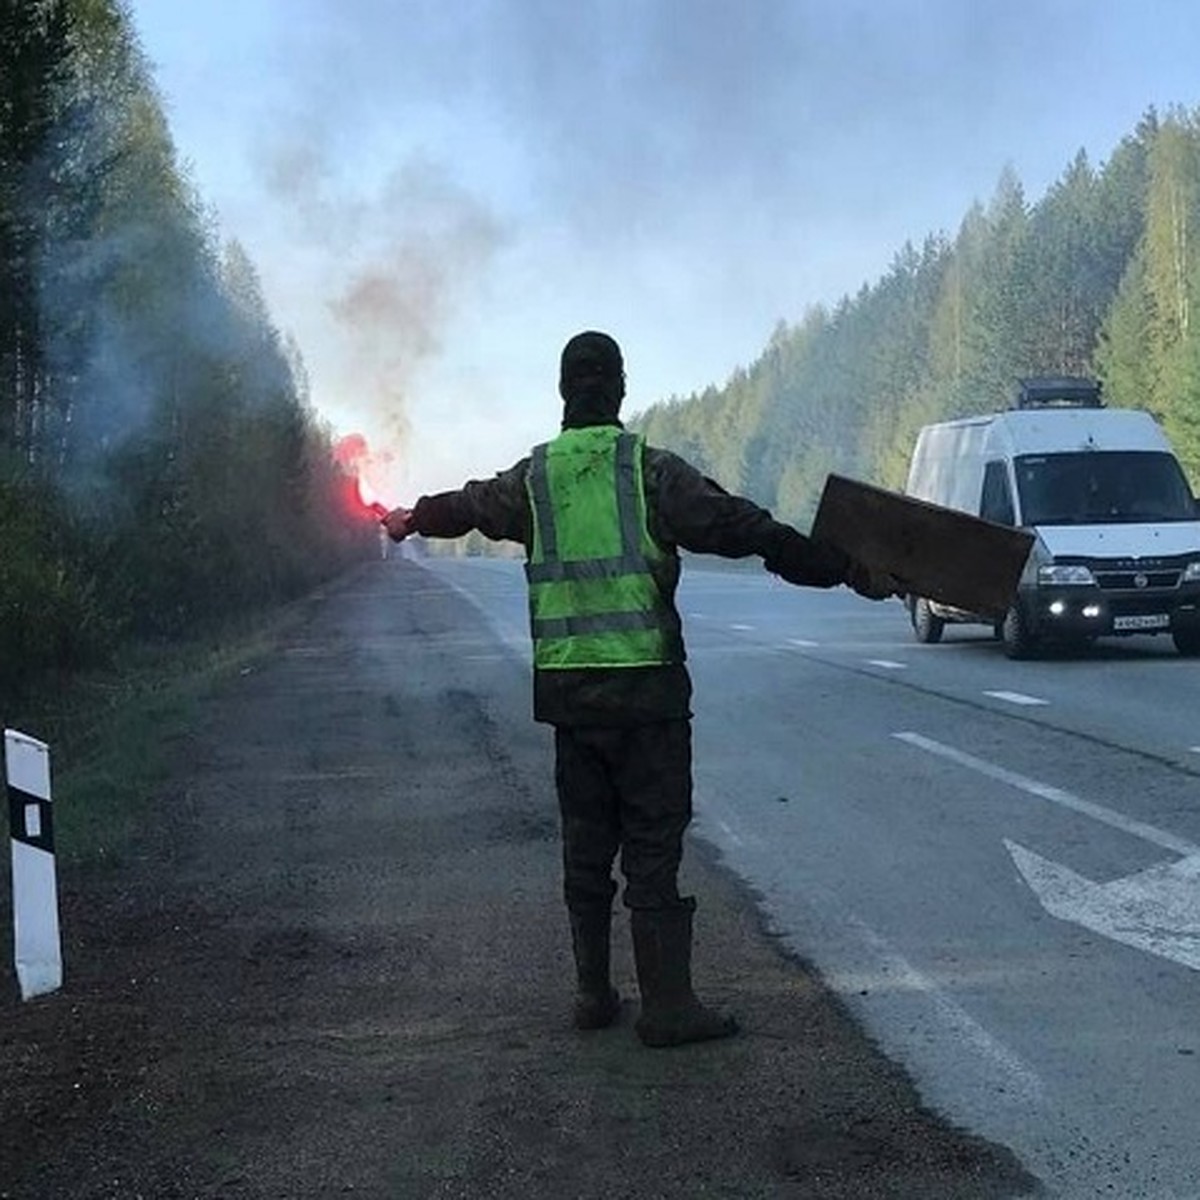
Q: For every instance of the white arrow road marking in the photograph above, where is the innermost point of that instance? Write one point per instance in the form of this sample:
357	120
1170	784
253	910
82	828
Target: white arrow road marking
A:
1016	698
1157	910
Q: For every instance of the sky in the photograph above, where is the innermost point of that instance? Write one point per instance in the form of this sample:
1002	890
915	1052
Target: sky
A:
438	193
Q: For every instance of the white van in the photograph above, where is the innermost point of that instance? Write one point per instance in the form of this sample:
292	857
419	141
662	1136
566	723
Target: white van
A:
1116	527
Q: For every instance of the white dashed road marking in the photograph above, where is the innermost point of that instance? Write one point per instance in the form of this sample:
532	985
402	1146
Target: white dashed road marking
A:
1016	698
887	664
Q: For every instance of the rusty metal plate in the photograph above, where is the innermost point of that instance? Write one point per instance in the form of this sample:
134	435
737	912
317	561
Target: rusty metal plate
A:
939	553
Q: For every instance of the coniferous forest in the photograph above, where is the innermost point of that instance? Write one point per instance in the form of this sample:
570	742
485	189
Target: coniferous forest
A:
1095	278
160	466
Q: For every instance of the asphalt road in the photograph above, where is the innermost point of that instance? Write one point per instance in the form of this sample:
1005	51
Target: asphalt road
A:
996	863
332	959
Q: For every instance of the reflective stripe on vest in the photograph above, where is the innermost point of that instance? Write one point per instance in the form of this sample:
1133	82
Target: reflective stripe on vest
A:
593	598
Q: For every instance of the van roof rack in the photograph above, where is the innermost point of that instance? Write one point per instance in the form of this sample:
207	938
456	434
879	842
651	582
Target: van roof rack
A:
1058	391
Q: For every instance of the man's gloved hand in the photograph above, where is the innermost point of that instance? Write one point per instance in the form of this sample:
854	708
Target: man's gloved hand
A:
399	524
873	584
804	562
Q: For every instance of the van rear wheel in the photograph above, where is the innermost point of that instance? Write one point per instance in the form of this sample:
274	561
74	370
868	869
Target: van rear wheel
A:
1019	640
927	625
1187	642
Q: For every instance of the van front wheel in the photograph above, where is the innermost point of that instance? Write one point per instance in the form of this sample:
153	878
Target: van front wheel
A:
1019	640
927	625
1187	642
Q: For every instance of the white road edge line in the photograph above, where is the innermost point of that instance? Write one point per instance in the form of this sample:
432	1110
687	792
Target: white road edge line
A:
1016	698
725	829
509	634
1046	791
1023	1080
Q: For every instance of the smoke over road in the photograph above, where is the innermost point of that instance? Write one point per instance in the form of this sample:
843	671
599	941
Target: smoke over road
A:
395	255
464	186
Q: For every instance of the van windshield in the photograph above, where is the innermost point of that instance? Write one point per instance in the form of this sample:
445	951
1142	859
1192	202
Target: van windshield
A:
1093	486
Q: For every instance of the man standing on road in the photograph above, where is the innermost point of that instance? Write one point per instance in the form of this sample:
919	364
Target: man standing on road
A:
602	517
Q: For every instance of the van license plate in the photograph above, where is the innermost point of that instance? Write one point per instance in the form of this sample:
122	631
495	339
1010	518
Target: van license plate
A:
1150	621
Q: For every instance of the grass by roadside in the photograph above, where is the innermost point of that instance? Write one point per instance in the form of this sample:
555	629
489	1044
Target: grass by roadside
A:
111	732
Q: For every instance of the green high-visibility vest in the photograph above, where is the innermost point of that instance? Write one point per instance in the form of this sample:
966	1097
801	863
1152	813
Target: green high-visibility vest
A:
594	597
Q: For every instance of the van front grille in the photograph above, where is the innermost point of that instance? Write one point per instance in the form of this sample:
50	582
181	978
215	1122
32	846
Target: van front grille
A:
1129	580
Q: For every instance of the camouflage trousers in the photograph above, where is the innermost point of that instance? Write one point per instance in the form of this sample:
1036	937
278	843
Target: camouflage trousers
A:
626	791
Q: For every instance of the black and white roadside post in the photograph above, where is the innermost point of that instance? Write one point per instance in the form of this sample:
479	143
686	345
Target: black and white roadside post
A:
37	949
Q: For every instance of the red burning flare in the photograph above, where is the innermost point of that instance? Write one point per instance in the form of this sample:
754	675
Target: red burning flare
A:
369	500
354	456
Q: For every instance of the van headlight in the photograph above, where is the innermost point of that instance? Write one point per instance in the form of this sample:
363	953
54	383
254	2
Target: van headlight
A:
1069	575
1191	573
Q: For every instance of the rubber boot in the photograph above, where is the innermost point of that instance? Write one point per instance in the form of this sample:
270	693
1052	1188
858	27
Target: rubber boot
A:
596	1000
662	951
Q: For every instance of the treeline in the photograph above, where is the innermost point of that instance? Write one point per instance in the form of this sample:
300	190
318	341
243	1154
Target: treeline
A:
160	465
1098	277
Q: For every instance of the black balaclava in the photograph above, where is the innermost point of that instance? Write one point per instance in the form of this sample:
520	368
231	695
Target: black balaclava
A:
591	380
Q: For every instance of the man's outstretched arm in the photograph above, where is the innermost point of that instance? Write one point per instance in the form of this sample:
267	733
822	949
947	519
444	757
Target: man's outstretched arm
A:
697	514
497	507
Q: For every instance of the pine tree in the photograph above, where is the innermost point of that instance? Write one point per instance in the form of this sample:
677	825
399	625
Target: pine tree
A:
34	55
